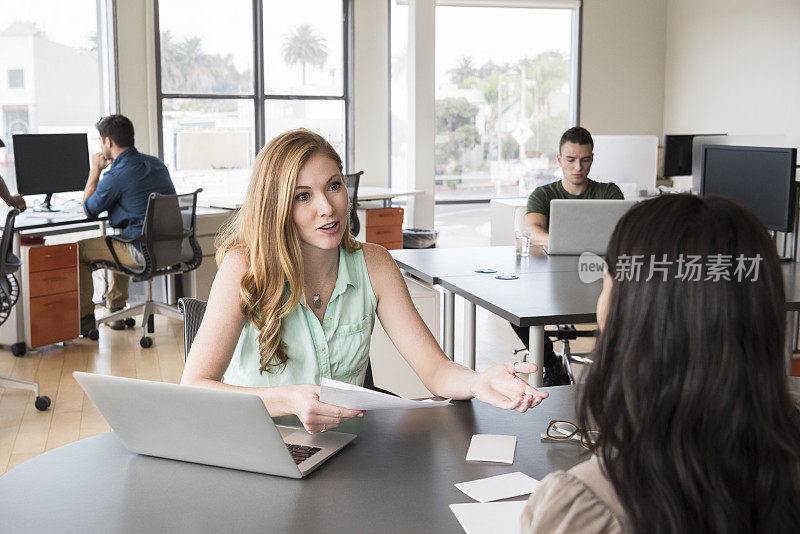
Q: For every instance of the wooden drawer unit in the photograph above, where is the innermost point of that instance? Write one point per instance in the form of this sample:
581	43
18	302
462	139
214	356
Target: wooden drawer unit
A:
384	234
54	318
50	282
385	217
47	258
50	293
384	226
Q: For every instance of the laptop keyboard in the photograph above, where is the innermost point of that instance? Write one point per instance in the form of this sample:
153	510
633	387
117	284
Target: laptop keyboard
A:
301	452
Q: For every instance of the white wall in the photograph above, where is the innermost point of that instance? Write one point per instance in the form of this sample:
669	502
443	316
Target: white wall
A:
622	66
137	70
371	90
733	66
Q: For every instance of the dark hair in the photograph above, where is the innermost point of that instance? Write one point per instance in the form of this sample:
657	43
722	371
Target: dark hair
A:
577	135
698	431
118	128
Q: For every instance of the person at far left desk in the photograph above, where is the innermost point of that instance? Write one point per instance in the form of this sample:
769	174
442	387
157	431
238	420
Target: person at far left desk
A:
123	193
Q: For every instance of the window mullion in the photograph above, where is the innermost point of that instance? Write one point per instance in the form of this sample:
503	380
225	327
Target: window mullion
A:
258	74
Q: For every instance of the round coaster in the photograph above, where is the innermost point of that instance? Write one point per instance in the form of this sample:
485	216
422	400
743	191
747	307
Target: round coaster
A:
506	277
486	271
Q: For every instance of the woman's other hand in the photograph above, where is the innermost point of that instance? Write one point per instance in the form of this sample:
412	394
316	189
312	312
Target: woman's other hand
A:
317	416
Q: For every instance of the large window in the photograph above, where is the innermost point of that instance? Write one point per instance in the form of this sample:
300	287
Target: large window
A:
234	76
505	92
58	76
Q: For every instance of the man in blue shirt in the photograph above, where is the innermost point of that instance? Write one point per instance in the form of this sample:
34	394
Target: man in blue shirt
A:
123	193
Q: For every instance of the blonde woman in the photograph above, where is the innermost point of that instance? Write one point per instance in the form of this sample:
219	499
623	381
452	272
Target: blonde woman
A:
296	295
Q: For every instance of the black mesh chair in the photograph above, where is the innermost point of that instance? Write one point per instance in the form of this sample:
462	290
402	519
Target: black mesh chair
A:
565	334
351	182
193	311
168	245
9	294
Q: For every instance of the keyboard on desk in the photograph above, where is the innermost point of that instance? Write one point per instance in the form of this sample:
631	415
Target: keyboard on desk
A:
301	452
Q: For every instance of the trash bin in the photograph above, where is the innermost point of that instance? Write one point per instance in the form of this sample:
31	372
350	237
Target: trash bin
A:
418	238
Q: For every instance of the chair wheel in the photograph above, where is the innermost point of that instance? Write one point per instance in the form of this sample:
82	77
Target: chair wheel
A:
130	322
19	349
146	342
93	334
42	403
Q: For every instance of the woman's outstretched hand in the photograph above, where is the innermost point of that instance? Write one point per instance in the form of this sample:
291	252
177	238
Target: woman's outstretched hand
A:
499	386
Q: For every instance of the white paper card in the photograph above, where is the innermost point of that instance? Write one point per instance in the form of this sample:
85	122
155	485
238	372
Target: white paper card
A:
499	487
490	517
358	398
492	448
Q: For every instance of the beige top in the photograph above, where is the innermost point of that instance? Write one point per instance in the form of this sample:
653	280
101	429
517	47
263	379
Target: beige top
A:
579	500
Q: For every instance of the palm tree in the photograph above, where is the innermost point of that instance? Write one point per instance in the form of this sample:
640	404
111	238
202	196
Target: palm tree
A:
462	72
305	46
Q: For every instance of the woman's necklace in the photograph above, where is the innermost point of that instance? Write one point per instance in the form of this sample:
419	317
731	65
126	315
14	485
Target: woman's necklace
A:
317	303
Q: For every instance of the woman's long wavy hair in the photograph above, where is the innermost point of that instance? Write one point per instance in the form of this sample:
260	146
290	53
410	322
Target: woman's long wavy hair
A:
698	430
264	229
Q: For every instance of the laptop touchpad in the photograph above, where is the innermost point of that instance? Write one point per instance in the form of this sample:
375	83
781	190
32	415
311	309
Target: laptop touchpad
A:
286	430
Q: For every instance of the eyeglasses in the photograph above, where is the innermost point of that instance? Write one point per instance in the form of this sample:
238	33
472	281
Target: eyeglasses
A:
563	430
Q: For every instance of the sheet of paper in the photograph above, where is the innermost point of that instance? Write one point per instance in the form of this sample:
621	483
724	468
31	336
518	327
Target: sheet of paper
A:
489	517
492	448
358	398
499	487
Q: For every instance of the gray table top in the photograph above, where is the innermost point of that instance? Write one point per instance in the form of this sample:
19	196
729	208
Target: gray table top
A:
397	476
533	299
430	265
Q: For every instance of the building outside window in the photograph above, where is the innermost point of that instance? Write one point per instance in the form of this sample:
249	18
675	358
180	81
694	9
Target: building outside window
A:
231	80
61	74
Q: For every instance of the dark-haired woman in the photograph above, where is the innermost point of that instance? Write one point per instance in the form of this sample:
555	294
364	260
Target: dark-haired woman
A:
697	429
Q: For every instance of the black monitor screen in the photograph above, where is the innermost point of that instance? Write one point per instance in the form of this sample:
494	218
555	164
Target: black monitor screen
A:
51	163
678	154
759	178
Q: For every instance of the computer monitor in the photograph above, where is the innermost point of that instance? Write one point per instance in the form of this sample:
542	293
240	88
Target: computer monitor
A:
762	179
51	163
677	156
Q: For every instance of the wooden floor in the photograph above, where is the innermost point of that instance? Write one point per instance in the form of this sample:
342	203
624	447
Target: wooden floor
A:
26	432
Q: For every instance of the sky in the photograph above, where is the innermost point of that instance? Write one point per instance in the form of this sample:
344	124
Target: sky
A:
66	22
228	29
497	34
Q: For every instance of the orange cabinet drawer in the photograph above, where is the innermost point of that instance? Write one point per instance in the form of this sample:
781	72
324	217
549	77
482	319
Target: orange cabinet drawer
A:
384	217
49	257
52	282
384	234
54	318
392	245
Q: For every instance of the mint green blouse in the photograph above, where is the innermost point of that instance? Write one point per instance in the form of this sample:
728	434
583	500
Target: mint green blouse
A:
338	348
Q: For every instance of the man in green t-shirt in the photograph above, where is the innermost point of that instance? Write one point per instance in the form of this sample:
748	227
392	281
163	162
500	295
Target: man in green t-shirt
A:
575	158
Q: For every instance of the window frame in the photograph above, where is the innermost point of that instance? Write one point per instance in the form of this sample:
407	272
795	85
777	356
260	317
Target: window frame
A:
258	94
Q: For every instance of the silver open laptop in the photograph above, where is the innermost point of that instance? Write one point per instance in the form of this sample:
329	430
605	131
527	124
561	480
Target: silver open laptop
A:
206	426
582	225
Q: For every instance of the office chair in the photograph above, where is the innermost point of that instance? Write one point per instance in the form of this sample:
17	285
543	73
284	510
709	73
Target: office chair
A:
9	293
351	182
193	311
169	246
566	333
